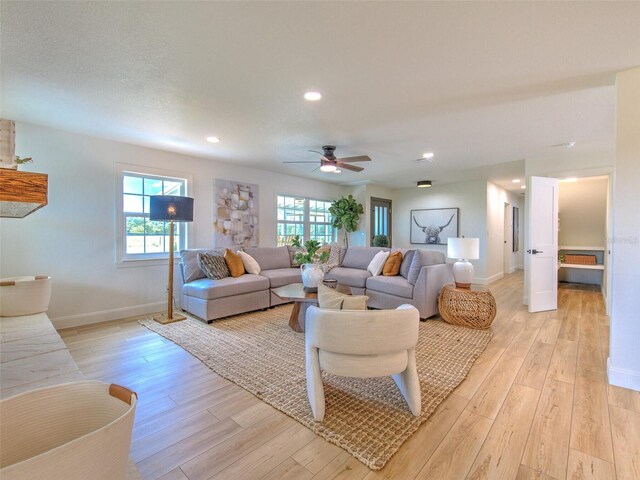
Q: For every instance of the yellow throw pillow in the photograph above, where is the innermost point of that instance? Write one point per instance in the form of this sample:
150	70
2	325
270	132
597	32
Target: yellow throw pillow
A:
392	266
330	299
234	262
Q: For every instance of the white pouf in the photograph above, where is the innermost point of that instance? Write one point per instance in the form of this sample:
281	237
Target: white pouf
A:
24	295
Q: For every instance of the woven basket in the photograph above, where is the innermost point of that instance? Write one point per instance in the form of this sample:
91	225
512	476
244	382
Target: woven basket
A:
578	259
76	431
467	308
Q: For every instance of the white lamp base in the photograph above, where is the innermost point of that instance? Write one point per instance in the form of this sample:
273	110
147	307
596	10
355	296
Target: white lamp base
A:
463	273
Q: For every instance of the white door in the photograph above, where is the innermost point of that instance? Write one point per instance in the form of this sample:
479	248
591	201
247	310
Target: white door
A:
543	244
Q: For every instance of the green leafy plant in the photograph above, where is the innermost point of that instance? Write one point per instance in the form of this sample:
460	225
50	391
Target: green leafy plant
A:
310	253
21	161
380	241
345	213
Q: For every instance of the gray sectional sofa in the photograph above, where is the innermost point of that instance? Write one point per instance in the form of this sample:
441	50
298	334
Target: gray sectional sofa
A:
214	299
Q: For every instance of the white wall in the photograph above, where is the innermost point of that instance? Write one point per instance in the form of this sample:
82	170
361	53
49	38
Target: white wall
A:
624	359
73	238
583	212
469	197
496	199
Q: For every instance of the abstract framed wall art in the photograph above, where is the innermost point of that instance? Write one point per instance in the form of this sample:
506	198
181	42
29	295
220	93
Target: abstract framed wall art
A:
235	221
433	226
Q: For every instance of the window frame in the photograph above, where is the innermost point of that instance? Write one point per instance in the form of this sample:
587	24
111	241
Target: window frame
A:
128	259
306	221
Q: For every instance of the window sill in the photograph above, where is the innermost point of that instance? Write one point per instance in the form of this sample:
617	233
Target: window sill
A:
145	262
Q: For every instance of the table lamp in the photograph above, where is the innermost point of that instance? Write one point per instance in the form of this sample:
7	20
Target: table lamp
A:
464	249
169	208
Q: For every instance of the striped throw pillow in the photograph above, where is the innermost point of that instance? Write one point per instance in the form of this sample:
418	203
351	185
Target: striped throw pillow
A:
214	266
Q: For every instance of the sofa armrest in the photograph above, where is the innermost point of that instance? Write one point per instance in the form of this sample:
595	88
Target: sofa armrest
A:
428	286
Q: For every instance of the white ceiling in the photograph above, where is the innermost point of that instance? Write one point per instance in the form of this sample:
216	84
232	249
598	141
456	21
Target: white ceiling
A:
479	84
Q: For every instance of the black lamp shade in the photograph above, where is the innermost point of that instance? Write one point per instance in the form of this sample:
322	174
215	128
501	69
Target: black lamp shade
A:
169	207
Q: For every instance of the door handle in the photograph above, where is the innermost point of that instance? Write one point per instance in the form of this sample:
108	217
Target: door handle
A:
534	251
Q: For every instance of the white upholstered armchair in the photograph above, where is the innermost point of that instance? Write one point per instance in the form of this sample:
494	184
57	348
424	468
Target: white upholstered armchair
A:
364	344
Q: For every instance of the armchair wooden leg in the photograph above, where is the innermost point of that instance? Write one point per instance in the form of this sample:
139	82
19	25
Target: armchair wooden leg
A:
315	389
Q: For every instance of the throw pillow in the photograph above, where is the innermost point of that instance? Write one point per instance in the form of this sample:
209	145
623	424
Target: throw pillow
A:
392	265
334	257
332	300
214	266
234	262
377	264
423	258
249	263
406	263
190	267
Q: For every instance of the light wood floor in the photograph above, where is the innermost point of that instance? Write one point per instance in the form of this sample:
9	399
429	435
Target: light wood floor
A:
536	404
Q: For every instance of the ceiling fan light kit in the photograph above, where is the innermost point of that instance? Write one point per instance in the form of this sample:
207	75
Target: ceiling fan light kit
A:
329	163
424	183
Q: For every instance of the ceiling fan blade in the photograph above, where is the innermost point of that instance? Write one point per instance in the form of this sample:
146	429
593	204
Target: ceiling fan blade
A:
346	166
316	151
359	158
315	161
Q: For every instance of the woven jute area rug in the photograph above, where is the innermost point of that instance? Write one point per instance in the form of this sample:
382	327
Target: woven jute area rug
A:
367	417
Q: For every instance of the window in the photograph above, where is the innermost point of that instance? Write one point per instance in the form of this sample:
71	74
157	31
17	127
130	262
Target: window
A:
308	218
140	238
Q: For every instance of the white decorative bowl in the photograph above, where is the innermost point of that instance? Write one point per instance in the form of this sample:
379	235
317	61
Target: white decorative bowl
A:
24	295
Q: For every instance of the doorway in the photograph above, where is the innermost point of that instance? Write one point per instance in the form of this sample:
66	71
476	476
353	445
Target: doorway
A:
507	236
380	220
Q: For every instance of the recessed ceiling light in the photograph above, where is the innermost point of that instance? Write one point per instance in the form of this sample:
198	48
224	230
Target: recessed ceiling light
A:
328	168
516	180
523	186
312	96
566	145
337	171
424	184
427	155
213	139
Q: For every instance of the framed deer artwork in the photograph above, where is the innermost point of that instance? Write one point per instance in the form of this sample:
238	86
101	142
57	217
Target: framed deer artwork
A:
433	226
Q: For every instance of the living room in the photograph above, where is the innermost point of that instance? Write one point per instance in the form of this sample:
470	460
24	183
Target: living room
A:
474	98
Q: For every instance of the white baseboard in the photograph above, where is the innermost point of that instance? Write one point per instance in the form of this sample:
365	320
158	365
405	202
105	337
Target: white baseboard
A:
623	378
488	280
520	267
606	300
513	269
107	315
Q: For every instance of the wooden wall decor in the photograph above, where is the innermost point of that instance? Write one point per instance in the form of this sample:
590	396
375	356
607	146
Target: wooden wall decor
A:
21	193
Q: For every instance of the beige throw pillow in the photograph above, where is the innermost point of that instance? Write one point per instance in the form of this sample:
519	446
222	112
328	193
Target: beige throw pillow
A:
330	299
250	264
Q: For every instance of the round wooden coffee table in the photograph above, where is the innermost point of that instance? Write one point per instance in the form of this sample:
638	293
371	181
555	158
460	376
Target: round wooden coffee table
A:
302	301
473	307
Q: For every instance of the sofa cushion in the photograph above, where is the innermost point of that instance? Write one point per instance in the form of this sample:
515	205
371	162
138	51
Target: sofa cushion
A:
397	285
292	255
208	289
270	258
250	264
423	258
190	267
234	262
332	300
282	276
392	265
214	266
360	257
352	277
407	258
377	264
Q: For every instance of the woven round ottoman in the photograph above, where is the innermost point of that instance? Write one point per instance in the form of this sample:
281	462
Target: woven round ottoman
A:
473	308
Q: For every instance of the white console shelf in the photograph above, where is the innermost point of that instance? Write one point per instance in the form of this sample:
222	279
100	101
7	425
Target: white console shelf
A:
586	267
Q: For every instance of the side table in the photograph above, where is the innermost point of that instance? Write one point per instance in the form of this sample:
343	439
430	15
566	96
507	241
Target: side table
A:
473	308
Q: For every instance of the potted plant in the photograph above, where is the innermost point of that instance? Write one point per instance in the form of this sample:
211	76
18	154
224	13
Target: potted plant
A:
380	241
345	213
310	259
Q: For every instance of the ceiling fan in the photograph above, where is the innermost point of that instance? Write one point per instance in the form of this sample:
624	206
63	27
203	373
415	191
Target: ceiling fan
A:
330	163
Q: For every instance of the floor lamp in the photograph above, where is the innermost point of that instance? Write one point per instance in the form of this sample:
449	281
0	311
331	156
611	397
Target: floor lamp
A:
169	208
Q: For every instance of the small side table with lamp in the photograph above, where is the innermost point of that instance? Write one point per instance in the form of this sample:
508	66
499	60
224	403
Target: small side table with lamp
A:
460	303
